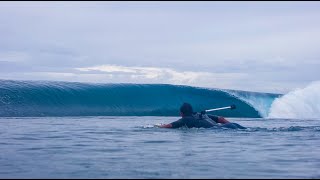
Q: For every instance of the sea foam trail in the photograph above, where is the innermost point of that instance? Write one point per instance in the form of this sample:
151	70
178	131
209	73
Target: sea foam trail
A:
298	104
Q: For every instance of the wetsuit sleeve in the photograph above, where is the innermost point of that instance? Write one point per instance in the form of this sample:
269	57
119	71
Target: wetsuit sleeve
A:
213	117
178	123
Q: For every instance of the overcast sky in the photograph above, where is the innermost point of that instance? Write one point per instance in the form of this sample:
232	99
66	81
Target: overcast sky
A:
254	46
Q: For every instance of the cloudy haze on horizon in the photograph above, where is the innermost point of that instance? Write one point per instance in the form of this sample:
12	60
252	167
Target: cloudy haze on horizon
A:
254	46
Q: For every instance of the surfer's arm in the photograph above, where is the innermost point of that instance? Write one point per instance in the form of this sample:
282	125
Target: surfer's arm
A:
175	124
165	125
222	120
218	119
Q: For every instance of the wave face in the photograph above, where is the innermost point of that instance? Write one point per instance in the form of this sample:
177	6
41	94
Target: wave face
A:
298	104
260	101
47	98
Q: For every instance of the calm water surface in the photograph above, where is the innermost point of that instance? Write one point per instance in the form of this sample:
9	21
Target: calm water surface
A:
131	147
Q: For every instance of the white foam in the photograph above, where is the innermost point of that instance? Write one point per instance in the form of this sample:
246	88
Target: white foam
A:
298	104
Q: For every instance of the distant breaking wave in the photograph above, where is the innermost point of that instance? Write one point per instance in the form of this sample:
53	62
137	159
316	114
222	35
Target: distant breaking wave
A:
50	98
298	104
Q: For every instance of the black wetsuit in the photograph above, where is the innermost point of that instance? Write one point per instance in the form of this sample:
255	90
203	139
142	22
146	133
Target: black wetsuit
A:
192	122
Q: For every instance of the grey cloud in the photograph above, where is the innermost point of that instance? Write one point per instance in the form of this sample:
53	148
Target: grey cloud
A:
277	50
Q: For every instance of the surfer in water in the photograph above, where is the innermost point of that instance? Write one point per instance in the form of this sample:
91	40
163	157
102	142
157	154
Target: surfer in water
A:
198	120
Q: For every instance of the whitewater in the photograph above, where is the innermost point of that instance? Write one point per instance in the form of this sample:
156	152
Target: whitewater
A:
86	130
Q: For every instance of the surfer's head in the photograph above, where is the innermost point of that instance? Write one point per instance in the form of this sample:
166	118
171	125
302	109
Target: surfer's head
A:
186	110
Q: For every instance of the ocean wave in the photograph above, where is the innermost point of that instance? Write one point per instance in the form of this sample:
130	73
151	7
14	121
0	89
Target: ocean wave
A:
51	98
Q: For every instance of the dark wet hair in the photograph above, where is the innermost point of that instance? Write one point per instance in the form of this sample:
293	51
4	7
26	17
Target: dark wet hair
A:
186	109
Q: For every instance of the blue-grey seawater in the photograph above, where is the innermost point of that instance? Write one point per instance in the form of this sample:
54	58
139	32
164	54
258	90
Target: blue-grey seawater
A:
131	147
87	130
